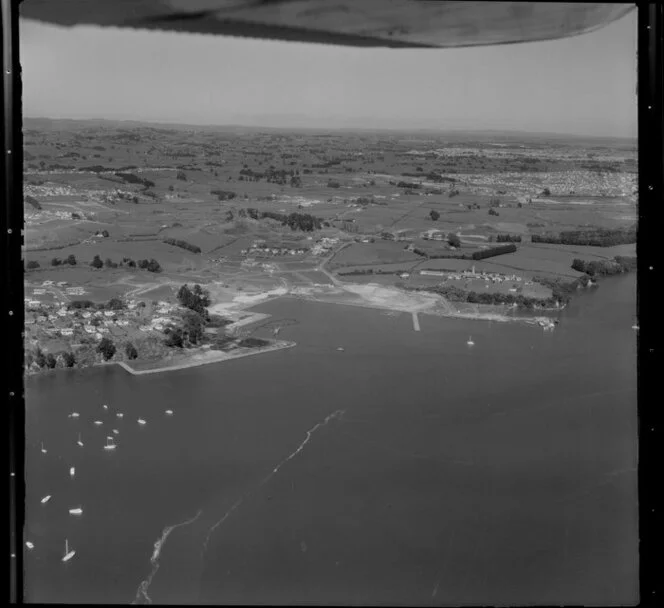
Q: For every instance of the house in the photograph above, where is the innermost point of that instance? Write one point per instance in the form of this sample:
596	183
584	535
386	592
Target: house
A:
109	313
67	332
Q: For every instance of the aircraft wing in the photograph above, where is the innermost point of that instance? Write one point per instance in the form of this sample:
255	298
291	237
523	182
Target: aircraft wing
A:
370	23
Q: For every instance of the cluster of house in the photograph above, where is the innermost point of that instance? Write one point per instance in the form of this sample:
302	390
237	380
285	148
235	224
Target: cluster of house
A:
58	320
262	249
579	182
492	277
433	234
325	245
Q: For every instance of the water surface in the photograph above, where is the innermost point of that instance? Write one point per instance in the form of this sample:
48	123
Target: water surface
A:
407	469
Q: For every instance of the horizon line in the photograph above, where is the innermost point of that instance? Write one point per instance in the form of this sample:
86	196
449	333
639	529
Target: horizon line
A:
286	127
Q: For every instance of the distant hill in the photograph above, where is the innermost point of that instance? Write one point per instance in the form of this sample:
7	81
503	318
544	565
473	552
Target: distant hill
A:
484	135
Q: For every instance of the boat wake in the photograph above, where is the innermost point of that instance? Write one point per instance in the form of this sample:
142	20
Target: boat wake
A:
142	596
310	432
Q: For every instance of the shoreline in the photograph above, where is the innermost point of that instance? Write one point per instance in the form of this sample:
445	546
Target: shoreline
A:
204	358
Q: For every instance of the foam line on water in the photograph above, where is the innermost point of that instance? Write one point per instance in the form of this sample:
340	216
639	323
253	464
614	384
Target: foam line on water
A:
310	432
142	596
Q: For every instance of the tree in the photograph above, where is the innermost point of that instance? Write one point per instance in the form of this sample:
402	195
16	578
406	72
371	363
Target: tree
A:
434	215
106	348
96	262
193	327
175	338
110	263
115	304
453	240
51	361
40	358
130	351
32	264
196	299
56	262
182	176
71	260
546	192
69	359
104	233
153	266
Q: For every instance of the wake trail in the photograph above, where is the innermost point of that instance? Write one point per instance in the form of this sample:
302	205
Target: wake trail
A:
142	596
310	432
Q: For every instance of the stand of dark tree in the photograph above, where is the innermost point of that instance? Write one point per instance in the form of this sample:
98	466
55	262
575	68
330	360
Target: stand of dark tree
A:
224	195
130	178
508	238
617	265
409	185
183	245
296	221
598	237
456	294
494	251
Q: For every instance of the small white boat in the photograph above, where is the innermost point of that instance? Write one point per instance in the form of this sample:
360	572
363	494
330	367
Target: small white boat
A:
119	414
116	431
72	472
105	406
340	348
45	499
141	421
68	554
635	327
169	412
43	450
470	341
76	511
29	545
98	422
74	415
110	445
79	442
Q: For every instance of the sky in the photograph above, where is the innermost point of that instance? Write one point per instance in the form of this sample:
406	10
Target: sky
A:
582	85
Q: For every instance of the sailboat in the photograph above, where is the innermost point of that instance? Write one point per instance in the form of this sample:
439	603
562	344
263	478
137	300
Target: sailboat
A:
79	442
74	415
29	545
119	414
72	471
98	422
169	412
45	499
116	431
109	444
68	554
105	406
470	341
76	511
43	449
141	421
